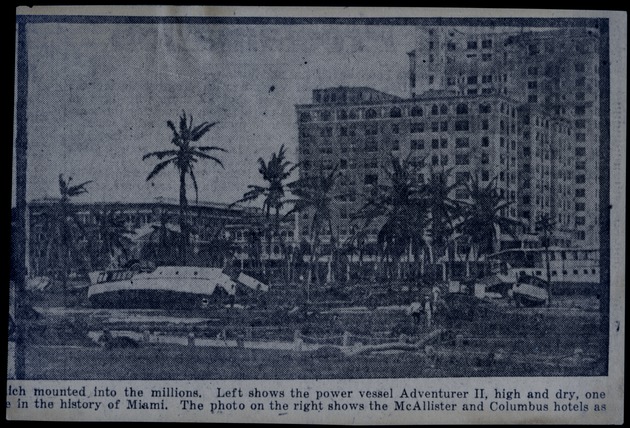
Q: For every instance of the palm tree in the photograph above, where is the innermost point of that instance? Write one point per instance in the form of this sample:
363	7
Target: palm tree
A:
316	194
183	157
443	213
275	173
64	227
112	233
545	227
483	220
400	207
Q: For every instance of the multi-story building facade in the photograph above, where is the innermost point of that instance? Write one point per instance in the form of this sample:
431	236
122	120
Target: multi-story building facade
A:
555	69
359	129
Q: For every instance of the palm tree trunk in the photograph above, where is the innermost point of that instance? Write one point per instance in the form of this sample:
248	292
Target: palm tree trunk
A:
183	225
548	273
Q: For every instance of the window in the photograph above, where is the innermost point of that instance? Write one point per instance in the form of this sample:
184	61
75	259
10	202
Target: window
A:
443	143
532	84
486	57
472	80
486	78
580	165
484	108
580	206
580	193
462	159
580	179
485	142
532	71
371	146
435	143
395	112
534	49
444	125
486	90
417	127
580	138
461	143
370	163
435	126
371	130
435	160
462	125
417	144
395	145
580	67
343	131
395	128
370	179
486	44
325	115
450	80
451	46
305	117
580	124
343	163
580	81
462	177
472	92
461	109
431	78
472	44
485	175
485	158
416	111
443	109
342	115
444	160
579	96
580	221
485	124
580	110
434	109
532	99
370	113
580	151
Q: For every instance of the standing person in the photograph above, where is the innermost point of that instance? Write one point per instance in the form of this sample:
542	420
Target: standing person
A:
415	310
427	310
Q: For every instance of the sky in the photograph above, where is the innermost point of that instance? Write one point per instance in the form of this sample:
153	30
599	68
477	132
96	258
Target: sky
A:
100	96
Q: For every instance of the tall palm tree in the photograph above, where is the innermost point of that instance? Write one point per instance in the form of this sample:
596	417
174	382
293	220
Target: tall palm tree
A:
316	193
64	228
545	227
399	206
112	233
483	221
275	172
443	212
183	157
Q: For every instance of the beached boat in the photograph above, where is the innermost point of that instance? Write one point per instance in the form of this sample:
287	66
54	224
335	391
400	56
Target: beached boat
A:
165	287
529	291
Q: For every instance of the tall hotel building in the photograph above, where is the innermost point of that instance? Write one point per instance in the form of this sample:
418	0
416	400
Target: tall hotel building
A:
553	72
359	129
519	106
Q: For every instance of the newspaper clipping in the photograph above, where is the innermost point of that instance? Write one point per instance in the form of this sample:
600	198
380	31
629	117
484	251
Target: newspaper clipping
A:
318	215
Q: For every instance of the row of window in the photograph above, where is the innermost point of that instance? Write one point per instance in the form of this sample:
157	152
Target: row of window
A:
394	112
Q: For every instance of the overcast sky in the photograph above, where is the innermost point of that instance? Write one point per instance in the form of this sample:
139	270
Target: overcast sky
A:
100	96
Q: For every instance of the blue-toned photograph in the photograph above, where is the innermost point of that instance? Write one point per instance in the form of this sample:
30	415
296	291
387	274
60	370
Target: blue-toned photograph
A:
310	198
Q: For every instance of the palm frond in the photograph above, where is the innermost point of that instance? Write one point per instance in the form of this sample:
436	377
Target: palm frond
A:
159	167
205	156
200	130
210	148
161	154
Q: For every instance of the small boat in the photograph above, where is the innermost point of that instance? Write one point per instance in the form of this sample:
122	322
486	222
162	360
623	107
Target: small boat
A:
178	287
529	291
